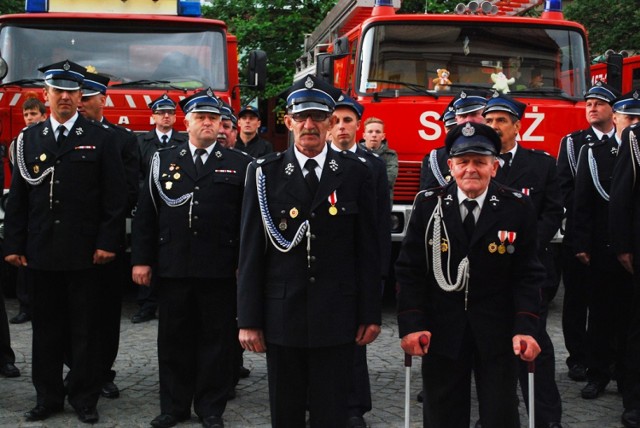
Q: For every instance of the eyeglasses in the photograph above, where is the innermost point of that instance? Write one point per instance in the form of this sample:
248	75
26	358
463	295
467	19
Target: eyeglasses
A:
316	116
163	112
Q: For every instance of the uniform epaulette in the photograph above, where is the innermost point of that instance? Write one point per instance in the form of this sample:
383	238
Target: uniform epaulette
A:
271	157
539	152
430	193
346	154
634	125
236	152
99	124
233	149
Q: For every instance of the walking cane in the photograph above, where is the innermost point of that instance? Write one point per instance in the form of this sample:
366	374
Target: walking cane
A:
424	341
531	368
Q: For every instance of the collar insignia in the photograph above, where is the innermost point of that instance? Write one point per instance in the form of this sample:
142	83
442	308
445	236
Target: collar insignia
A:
289	169
333	165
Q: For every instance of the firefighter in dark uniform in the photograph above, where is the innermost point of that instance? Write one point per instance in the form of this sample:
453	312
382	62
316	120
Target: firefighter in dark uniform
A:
186	233
610	284
533	173
624	226
598	112
348	115
163	111
435	171
469	280
64	214
113	275
309	277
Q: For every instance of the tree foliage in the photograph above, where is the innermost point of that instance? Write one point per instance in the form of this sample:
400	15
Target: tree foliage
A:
11	6
278	27
612	24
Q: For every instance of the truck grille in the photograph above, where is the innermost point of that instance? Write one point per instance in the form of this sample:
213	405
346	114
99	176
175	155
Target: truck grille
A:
407	183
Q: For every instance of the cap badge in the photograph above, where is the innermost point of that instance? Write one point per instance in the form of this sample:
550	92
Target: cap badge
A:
165	97
599	83
289	169
308	83
495	94
333	165
635	95
468	130
341	98
209	92
463	94
91	69
66	66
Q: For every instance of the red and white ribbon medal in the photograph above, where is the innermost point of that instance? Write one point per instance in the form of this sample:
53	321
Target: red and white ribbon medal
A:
333	199
511	236
502	236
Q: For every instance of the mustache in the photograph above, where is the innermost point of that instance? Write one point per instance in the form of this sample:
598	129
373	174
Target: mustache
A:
310	132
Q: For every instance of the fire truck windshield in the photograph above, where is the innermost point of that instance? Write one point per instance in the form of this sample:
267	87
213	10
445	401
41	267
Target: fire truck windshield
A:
143	58
529	60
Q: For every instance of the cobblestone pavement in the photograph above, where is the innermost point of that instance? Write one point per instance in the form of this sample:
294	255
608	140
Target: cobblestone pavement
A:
137	368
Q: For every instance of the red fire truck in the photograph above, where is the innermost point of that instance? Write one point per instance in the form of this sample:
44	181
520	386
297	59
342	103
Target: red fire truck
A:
621	70
389	62
146	47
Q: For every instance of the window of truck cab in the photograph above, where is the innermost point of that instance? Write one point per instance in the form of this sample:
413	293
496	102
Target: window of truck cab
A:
169	56
403	56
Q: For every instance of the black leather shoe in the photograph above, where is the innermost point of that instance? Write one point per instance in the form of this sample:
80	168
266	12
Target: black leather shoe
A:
244	372
143	315
213	422
88	415
578	372
356	422
631	418
40	413
593	389
109	390
21	318
166	420
9	370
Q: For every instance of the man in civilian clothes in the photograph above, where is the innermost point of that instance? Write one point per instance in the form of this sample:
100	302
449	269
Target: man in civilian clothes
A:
309	277
64	214
186	233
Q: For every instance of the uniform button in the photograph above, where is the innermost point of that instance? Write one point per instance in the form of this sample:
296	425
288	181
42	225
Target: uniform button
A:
313	237
56	221
195	217
196	203
56	201
313	215
313	258
57	162
195	233
343	209
312	280
57	182
196	188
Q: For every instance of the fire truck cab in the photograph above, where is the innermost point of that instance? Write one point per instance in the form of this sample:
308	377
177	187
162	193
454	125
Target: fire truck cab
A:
392	64
146	48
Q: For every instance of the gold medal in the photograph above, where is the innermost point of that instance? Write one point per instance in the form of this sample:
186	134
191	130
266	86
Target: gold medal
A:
447	178
168	185
43	157
333	210
493	247
444	247
36	169
293	212
176	176
502	249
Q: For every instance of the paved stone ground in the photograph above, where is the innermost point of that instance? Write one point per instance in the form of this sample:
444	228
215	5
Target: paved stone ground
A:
137	378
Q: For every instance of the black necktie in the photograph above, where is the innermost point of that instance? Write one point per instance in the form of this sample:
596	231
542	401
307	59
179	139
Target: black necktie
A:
311	178
165	139
469	222
198	162
507	162
61	135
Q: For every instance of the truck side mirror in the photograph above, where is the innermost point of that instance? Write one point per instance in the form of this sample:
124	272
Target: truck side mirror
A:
324	68
614	70
257	70
341	47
